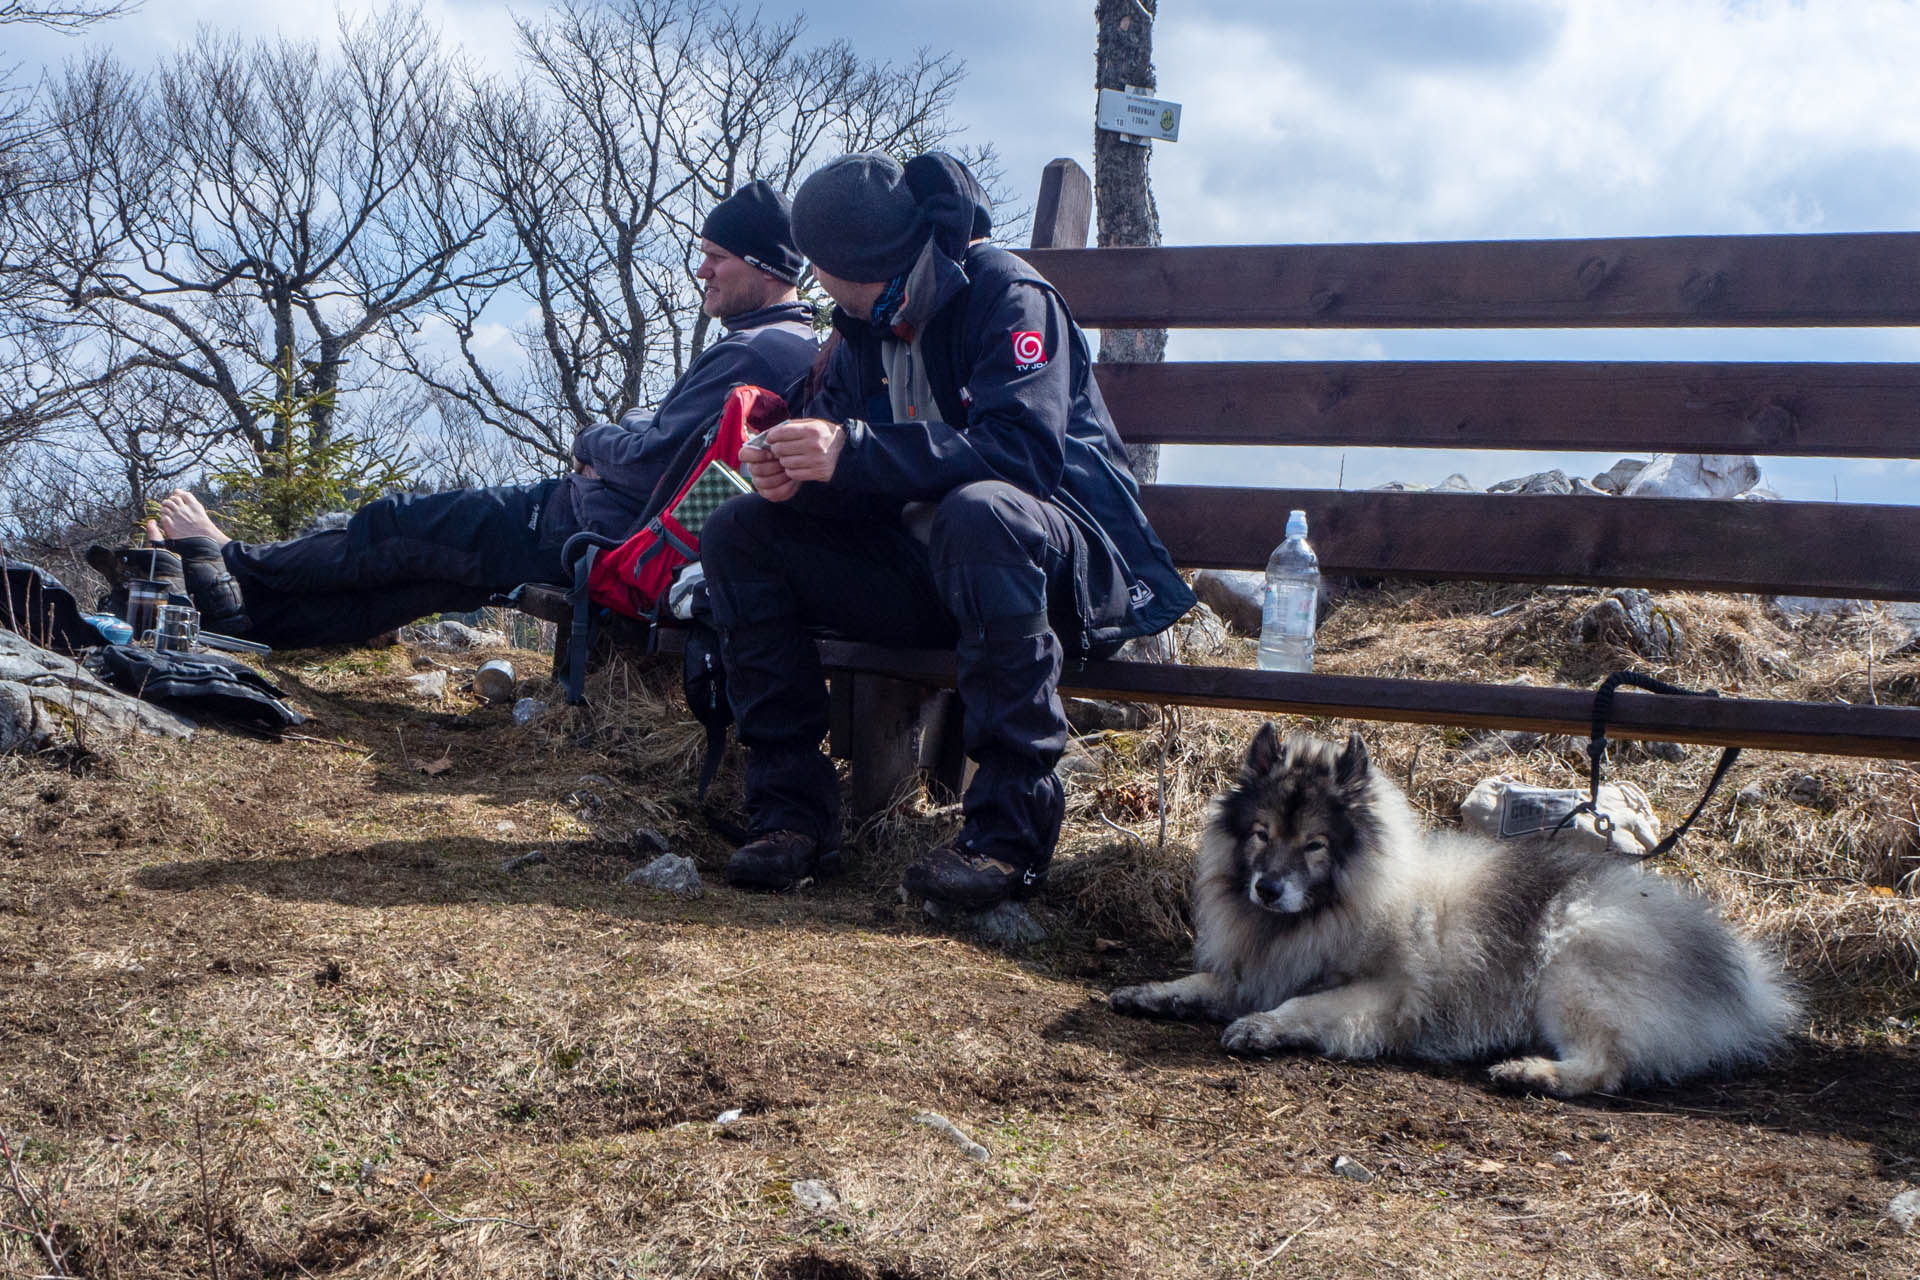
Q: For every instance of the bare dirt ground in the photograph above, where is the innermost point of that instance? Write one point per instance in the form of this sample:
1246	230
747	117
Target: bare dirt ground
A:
277	1009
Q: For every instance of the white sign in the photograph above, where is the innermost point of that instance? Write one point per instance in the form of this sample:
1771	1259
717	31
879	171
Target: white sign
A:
1138	115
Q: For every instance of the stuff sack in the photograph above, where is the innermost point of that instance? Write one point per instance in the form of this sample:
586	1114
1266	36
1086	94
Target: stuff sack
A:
202	681
45	612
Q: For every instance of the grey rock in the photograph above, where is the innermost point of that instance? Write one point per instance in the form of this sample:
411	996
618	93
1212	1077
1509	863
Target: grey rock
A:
1398	486
531	858
1561	1158
1584	489
947	1129
428	684
1619	475
1749	796
1078	762
527	710
1234	594
815	1195
1093	715
19	725
1202	633
1629	618
1694	475
730	1116
1554	481
69	699
647	840
1807	791
1795	607
670	873
1352	1170
1008	924
1154	648
1456	483
451	636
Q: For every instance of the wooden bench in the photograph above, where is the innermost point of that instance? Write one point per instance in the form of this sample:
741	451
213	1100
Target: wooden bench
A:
1767	547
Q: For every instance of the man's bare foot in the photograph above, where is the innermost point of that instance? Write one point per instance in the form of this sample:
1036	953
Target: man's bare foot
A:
182	516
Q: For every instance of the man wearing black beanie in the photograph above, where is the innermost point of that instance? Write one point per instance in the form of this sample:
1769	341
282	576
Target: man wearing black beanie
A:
410	555
956	482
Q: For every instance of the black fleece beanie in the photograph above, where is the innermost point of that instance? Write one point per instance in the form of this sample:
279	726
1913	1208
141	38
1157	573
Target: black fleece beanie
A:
755	224
856	218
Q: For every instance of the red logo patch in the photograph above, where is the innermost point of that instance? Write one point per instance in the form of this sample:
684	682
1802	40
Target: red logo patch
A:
1029	349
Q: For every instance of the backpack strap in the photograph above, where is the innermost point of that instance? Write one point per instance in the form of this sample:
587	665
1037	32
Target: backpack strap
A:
580	551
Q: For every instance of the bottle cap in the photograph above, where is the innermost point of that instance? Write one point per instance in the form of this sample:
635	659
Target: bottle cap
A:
1297	524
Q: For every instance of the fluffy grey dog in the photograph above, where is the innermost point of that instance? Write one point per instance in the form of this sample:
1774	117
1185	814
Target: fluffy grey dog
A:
1327	920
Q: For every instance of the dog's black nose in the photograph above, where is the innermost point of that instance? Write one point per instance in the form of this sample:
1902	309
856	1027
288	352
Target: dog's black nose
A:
1267	889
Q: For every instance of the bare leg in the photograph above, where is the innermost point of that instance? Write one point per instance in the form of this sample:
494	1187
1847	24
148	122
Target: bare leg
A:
182	516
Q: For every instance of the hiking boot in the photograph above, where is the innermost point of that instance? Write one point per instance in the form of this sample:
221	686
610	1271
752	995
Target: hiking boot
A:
959	876
780	860
215	594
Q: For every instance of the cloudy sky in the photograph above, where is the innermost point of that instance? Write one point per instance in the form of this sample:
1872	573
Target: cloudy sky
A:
1334	120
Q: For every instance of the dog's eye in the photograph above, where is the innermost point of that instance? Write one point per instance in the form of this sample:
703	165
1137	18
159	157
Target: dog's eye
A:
1258	837
1316	845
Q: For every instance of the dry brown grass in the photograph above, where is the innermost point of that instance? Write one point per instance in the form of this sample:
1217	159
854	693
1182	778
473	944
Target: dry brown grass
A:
274	1009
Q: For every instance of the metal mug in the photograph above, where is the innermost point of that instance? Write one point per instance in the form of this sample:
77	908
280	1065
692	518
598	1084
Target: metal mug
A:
144	601
177	629
493	682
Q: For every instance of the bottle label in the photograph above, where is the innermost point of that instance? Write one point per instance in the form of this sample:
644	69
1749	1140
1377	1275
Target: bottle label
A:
1288	610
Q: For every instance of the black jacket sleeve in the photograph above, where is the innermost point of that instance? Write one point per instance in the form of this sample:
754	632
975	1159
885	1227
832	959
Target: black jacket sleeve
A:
1019	397
629	456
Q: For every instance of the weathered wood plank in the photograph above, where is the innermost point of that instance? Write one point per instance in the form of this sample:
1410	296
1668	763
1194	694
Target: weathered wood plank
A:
1771	548
1819	410
1064	209
1821	728
1660	282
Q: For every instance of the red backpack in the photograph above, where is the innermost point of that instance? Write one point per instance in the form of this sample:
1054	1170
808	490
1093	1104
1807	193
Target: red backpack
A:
632	577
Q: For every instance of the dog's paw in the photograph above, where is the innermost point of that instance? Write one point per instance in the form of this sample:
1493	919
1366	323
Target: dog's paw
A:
1264	1033
1150	1000
1561	1077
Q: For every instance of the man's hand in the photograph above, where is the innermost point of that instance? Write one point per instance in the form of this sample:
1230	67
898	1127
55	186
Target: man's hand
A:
585	469
794	453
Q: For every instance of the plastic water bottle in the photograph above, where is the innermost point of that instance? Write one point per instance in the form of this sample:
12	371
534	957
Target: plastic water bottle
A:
1291	603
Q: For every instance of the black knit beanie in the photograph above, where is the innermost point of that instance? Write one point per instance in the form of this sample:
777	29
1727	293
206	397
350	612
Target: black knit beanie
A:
755	224
856	218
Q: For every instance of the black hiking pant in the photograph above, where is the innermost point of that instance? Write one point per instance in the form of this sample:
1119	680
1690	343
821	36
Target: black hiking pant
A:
996	582
399	559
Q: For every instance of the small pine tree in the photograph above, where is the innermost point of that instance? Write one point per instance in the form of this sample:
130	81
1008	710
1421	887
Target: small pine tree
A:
275	494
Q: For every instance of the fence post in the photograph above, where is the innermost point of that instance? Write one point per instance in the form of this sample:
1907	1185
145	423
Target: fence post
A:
1064	210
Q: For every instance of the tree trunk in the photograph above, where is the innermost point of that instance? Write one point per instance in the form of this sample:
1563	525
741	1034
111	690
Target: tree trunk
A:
1123	197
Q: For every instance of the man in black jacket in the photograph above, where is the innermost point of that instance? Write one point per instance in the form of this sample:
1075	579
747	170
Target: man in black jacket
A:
406	556
956	482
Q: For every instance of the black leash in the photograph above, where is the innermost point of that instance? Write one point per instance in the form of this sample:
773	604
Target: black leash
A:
1597	751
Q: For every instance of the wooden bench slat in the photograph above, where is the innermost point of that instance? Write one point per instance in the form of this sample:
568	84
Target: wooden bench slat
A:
1821	410
1868	278
1769	548
1823	728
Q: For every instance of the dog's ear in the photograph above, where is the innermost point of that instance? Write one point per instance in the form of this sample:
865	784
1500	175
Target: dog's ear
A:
1352	766
1262	754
